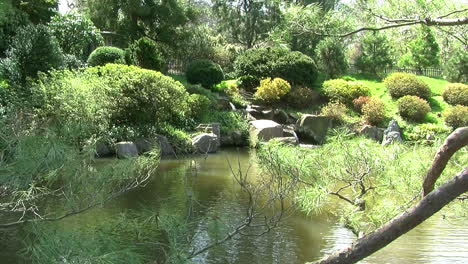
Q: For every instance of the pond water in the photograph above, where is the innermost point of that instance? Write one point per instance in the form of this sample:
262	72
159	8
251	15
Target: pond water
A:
298	239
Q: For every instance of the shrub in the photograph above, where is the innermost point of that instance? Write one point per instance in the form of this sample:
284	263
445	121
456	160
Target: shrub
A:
197	89
145	53
256	64
457	116
199	105
344	92
359	102
374	111
103	55
402	84
456	94
76	35
204	72
335	111
331	57
413	108
375	53
301	97
420	132
33	50
271	91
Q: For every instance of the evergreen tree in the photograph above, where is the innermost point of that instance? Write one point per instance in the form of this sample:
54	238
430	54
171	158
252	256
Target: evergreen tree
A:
375	53
423	51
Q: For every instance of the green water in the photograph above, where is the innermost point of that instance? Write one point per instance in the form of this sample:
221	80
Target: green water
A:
208	180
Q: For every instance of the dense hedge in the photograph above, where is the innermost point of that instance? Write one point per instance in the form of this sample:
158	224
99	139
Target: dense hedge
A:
344	91
103	55
256	64
401	84
456	94
204	72
413	108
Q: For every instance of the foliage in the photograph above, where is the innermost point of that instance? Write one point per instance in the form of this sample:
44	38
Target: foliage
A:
413	107
456	67
301	97
146	54
374	54
456	94
456	116
33	50
292	66
331	57
335	111
229	121
11	19
423	51
420	132
199	105
401	84
359	102
247	22
344	91
103	55
198	89
204	72
271	91
373	111
76	35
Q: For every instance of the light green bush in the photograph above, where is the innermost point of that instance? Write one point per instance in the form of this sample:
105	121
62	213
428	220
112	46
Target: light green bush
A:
271	91
373	111
103	55
456	94
413	108
401	84
344	91
456	116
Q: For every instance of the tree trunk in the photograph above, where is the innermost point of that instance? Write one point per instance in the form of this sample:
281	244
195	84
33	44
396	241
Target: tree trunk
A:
403	223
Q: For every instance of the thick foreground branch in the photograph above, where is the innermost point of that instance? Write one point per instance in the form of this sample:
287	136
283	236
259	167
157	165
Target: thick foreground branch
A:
457	140
403	223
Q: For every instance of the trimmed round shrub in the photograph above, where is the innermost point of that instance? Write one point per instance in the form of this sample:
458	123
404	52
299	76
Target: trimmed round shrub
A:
103	55
146	53
373	111
335	111
271	91
359	102
343	91
204	72
456	94
301	97
256	64
457	116
413	108
402	84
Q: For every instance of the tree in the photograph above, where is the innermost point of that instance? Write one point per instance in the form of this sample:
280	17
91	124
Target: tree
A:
374	53
433	201
423	51
247	22
330	52
38	11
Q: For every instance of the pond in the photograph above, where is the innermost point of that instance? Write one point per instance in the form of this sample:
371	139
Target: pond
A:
298	239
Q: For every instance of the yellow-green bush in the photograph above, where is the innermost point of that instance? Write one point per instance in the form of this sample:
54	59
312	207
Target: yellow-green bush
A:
456	94
413	108
335	111
271	91
374	111
401	84
457	116
343	91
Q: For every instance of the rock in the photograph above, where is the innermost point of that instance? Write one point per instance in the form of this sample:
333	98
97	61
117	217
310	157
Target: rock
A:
145	145
288	131
264	130
313	127
103	150
258	112
233	138
280	116
213	128
372	132
392	134
206	143
287	140
430	137
223	103
165	147
126	150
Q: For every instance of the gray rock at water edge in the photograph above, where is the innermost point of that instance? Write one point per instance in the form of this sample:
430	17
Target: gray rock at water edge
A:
165	147
392	134
259	113
126	150
287	140
372	132
145	145
280	116
288	131
233	138
206	143
103	150
313	127
264	130
212	128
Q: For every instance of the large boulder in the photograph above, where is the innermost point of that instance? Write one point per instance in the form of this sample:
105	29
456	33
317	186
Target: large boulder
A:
126	150
145	145
103	150
264	130
372	132
392	134
165	147
288	131
233	138
206	143
313	127
259	112
280	116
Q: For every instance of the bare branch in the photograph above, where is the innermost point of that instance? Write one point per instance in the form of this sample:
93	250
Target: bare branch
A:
453	12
